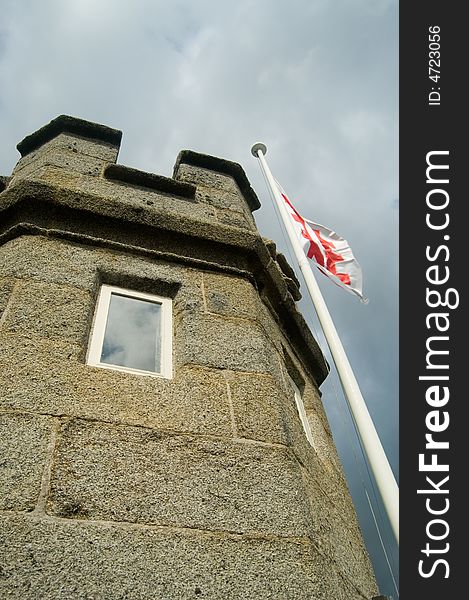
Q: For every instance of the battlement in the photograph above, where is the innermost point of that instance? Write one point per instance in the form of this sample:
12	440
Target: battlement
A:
67	183
90	149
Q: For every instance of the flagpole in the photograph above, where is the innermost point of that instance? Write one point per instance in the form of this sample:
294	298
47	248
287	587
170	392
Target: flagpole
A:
371	443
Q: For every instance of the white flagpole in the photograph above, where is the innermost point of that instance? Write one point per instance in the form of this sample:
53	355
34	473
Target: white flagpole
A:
371	443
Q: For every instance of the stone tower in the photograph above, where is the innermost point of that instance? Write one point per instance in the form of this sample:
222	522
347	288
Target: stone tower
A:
162	433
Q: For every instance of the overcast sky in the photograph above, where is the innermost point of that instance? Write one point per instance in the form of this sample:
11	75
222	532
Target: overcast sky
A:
316	80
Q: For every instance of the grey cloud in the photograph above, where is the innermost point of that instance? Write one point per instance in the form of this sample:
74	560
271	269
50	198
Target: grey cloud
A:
315	80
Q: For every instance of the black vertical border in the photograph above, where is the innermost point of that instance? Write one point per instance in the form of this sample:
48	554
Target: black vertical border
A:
425	128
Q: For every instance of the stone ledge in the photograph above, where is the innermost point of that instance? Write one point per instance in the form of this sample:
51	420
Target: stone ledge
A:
42	203
150	180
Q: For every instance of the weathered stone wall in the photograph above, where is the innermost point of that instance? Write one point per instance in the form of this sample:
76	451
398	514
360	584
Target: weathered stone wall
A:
115	485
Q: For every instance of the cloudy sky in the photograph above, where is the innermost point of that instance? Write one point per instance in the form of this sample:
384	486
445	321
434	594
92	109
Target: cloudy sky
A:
316	80
132	334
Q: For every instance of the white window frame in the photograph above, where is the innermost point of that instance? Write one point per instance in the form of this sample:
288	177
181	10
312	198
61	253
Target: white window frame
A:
99	327
302	412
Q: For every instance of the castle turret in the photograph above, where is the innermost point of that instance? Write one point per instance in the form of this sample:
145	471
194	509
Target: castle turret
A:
162	431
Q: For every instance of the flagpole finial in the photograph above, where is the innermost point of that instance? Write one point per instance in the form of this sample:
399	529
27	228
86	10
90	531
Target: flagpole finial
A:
258	146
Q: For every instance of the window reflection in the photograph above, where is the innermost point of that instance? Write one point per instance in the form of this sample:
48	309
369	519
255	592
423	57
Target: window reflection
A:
132	337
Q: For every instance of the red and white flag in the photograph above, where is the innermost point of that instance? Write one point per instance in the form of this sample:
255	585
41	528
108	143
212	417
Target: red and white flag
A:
328	251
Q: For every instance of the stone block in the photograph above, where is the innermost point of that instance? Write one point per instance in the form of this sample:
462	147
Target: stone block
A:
68	161
79	145
224	199
24	439
126	195
47	259
50	377
320	459
6	288
331	584
266	410
208	179
67	152
57	176
323	443
69	145
267	320
230	295
339	540
258	407
224	343
203	212
296	435
65	559
277	278
49	310
121	473
334	486
311	397
309	392
233	219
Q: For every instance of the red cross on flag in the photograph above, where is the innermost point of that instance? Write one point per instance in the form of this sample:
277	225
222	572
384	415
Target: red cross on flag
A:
328	251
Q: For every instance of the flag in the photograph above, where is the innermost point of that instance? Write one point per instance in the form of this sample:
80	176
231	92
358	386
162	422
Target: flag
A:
329	251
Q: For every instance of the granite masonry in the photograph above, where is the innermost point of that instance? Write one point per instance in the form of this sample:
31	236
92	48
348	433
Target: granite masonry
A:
119	485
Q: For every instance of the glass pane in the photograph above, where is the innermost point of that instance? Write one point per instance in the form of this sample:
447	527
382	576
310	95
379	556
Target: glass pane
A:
133	334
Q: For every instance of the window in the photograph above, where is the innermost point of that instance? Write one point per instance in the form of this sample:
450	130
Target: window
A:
132	332
301	411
